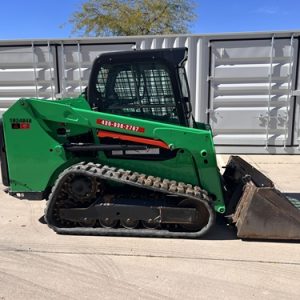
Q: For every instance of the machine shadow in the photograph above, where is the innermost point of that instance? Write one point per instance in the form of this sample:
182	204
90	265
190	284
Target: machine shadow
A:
42	220
221	232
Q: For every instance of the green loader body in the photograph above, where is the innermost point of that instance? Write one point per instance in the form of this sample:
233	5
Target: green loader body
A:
34	142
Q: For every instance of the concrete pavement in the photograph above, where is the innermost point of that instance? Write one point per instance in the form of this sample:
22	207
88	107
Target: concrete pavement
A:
36	263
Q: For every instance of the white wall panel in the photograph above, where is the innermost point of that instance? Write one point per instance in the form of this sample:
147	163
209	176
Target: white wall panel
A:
250	96
241	84
26	71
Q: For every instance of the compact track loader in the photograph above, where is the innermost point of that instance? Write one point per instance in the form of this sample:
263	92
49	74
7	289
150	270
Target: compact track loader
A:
127	158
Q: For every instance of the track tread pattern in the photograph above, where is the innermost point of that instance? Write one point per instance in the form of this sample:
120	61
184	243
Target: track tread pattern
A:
151	183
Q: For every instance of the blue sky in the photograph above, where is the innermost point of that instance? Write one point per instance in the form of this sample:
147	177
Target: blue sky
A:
21	19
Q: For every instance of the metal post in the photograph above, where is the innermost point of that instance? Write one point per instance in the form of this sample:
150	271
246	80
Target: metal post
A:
50	71
289	92
210	80
34	70
63	83
298	130
270	92
79	66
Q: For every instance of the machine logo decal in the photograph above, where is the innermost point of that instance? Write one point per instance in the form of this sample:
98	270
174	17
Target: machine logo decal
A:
20	123
114	124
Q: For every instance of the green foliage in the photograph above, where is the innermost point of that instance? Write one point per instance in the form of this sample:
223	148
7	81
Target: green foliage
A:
133	17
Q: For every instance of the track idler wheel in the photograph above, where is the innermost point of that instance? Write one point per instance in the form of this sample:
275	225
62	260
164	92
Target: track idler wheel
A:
82	188
150	224
108	223
129	223
88	223
204	214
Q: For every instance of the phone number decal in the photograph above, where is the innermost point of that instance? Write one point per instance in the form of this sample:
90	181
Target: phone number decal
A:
120	125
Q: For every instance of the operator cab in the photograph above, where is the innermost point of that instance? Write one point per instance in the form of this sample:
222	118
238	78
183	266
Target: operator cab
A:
146	84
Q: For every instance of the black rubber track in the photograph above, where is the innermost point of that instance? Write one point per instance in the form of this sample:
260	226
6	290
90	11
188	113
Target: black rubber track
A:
132	179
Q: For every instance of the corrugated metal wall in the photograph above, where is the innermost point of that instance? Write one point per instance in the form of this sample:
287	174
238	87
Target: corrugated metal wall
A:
26	71
250	91
243	85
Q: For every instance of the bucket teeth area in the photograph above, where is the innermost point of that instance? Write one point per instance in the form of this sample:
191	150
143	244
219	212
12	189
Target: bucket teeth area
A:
258	210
